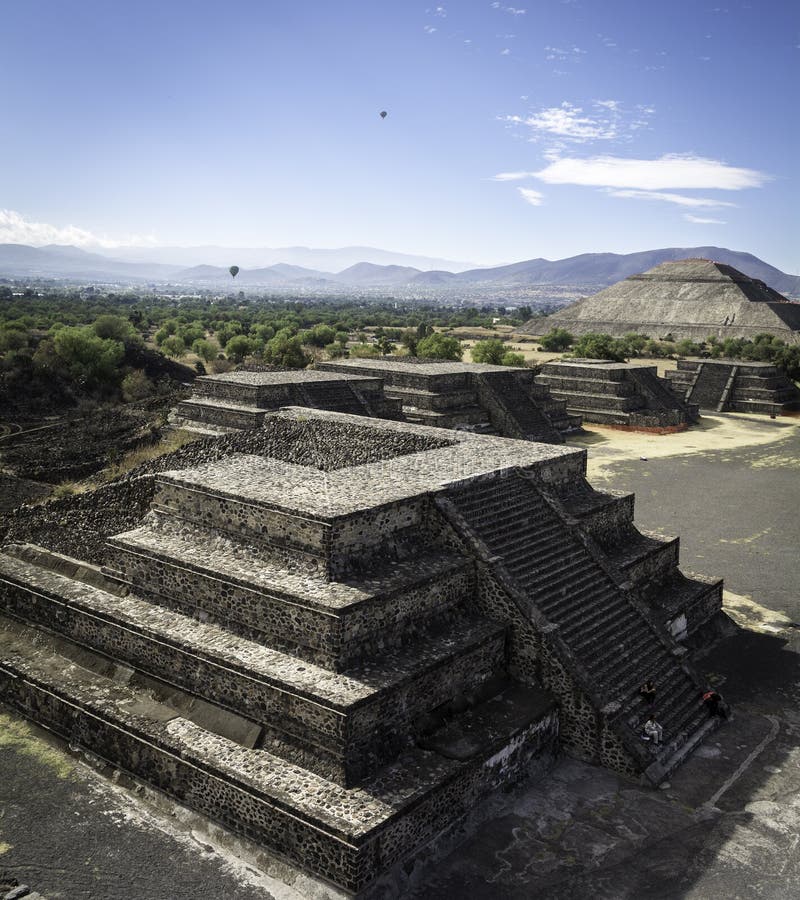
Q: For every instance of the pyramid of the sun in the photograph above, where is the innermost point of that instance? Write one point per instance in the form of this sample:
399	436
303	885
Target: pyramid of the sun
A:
687	298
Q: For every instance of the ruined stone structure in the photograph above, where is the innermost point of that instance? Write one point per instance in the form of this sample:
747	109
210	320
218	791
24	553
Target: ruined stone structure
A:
478	397
337	642
241	399
688	298
727	385
618	394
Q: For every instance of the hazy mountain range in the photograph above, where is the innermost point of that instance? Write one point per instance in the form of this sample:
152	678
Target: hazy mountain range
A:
392	272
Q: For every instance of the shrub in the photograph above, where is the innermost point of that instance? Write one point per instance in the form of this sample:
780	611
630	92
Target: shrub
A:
439	346
512	359
599	346
557	340
364	351
90	359
489	351
136	386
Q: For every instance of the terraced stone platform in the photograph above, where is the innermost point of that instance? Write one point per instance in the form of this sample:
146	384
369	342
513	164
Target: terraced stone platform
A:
340	662
472	396
618	394
240	399
726	385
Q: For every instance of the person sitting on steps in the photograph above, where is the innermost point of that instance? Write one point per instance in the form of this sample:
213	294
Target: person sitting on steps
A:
648	691
653	731
714	703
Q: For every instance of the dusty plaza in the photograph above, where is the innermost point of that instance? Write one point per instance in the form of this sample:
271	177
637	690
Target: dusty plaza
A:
724	824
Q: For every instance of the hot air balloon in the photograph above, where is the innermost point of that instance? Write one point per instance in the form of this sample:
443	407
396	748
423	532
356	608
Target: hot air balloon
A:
234	270
384	114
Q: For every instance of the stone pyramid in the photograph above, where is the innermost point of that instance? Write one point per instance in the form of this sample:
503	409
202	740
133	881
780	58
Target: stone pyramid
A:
686	298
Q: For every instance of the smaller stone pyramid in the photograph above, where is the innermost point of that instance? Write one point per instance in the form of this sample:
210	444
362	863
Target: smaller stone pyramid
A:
686	298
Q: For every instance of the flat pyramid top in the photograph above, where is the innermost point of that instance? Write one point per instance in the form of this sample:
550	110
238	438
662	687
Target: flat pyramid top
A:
707	270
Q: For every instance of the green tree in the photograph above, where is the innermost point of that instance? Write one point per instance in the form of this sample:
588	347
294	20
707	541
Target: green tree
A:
206	349
384	345
557	340
491	351
90	360
319	336
286	349
633	343
599	346
410	341
115	328
687	347
512	359
238	347
190	333
173	346
439	346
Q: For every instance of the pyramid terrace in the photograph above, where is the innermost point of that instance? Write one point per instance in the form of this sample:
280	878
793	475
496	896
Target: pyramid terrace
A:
341	633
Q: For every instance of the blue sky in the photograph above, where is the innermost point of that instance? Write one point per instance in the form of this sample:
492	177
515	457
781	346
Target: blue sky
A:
549	129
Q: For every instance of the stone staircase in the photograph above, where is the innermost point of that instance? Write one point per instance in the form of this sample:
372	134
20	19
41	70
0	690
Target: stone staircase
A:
735	386
575	588
618	394
522	415
371	706
709	386
337	396
484	399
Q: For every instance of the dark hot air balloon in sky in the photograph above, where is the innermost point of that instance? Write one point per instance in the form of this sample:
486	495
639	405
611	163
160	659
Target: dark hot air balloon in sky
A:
234	270
384	114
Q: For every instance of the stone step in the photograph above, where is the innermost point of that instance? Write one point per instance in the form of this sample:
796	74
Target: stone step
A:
220	413
503	518
533	540
646	557
345	836
567	577
340	725
594	609
576	384
433	400
331	623
604	402
243	497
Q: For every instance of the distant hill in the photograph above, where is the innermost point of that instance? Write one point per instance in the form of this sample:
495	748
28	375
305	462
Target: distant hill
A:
588	270
369	274
608	268
56	261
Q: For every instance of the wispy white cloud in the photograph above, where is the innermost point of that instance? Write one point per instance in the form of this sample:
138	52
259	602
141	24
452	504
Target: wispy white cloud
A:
699	220
16	229
535	198
513	176
670	171
607	120
680	199
441	12
505	51
563	54
511	10
429	29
